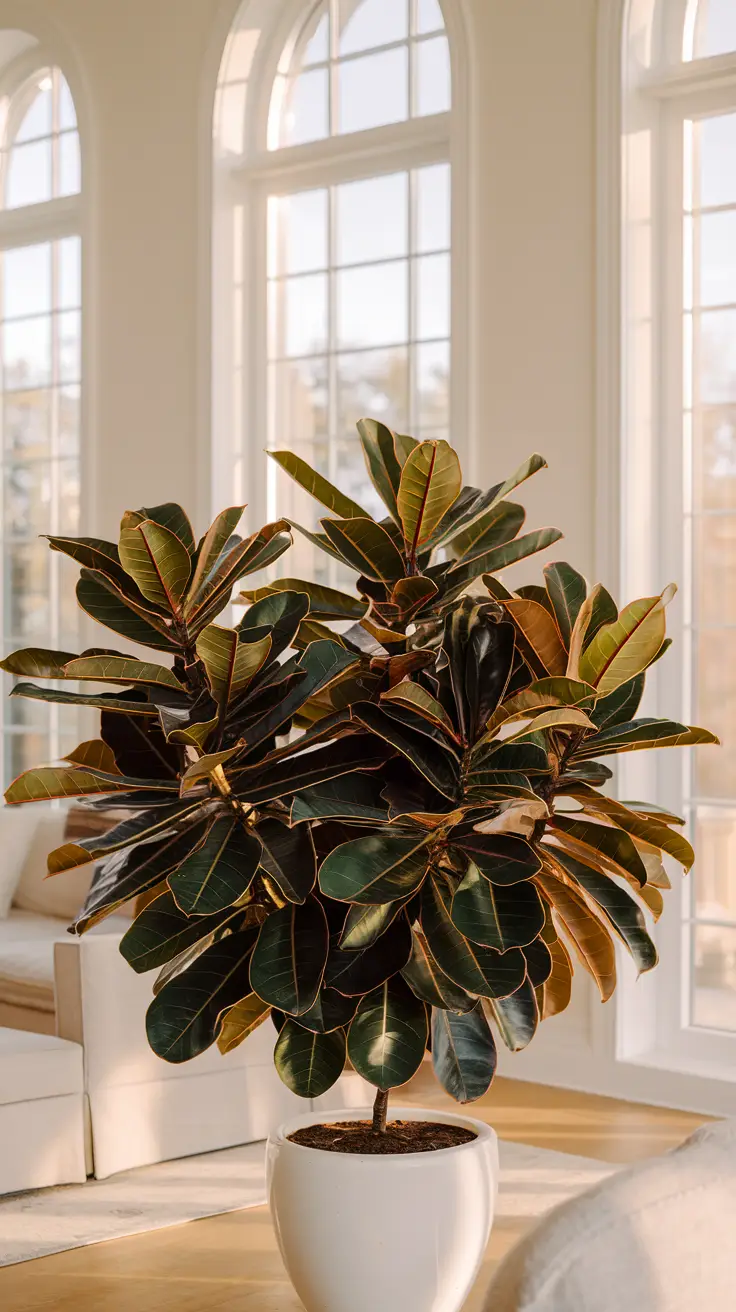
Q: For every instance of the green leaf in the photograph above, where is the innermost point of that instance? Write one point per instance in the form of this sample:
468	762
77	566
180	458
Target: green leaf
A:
38	663
517	1017
418	699
288	858
220	872
477	969
619	707
172	517
162	932
185	1018
502	858
431	480
544	694
612	844
619	908
500	916
430	983
364	924
282	612
213	544
384	468
46	783
290	956
150	823
622	649
649	829
324	603
375	869
92	553
388	1036
230	664
208	767
640	735
438	765
241	1021
492	529
331	1011
126	874
567	591
323	663
158	562
463	1053
354	797
538	957
123	670
235	561
603	611
412	594
96	701
361	971
96	755
309	1063
282	778
367	547
592	942
317	486
498	558
108	605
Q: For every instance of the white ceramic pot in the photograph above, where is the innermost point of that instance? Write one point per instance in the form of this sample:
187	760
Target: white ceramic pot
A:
403	1233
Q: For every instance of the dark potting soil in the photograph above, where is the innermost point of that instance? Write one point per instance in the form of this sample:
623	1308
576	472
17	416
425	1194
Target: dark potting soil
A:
400	1137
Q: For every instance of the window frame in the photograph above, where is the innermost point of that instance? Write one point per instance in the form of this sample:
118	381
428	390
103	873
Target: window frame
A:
261	172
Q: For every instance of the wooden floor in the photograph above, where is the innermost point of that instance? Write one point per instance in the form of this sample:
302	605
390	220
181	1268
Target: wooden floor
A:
231	1264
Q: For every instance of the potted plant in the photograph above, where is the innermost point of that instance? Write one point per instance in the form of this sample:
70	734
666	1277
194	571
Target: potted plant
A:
389	836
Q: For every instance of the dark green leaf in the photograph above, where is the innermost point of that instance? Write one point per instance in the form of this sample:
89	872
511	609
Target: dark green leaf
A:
489	562
477	969
502	858
351	797
184	1019
612	843
567	590
282	612
121	669
324	603
517	1016
289	958
38	662
288	858
639	735
220	872
388	1036
378	868
133	871
286	777
365	924
322	663
367	547
437	764
331	1011
463	1053
359	972
317	486
619	908
384	468
621	705
139	746
171	516
430	983
497	916
96	701
605	611
493	529
100	599
161	932
309	1063
538	962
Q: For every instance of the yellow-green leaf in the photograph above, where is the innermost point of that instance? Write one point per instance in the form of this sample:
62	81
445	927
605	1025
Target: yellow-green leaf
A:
230	664
121	669
157	560
96	754
540	633
213	542
208	767
416	697
49	782
240	1021
579	631
591	941
622	649
431	482
317	486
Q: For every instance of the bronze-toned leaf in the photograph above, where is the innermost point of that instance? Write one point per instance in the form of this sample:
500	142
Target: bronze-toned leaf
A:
317	486
431	480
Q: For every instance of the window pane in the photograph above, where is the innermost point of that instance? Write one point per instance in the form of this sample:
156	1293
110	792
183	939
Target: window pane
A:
68	496
298	232
714	703
433	297
372	306
714	978
714	874
718	258
433	385
299	315
69	420
299	395
374	384
27	498
434	89
373	91
70	166
67	113
69	327
433	208
38	118
27	281
27	353
372	23
23	751
27	423
70	273
715	28
27	615
305	115
29	175
429	16
715	138
372	219
715	356
351	476
715	569
714	451
317	50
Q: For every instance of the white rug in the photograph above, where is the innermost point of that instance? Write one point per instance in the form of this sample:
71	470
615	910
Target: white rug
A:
52	1220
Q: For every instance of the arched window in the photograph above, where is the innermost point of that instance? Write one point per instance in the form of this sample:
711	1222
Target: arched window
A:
679	485
40	359
332	253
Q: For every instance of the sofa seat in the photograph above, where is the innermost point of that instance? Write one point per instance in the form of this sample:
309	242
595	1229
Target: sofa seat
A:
41	1112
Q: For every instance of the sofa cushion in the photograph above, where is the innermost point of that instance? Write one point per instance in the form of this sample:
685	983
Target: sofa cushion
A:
61	895
38	1066
27	957
17	826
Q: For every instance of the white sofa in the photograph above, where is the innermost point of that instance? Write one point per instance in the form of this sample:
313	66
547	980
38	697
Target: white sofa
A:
42	1121
139	1109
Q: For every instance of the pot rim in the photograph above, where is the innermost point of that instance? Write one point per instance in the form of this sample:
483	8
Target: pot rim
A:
483	1132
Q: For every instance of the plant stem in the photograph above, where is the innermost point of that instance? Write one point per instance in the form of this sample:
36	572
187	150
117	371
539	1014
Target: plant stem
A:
380	1112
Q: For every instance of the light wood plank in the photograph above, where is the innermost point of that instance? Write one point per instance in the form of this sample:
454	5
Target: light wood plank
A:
231	1263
